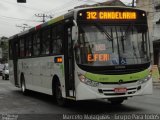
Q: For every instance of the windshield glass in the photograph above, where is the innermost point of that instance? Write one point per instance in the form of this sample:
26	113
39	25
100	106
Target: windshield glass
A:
102	45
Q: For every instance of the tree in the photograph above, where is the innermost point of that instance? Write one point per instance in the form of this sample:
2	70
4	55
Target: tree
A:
4	46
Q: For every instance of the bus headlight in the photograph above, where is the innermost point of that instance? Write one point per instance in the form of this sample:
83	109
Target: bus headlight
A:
145	79
85	80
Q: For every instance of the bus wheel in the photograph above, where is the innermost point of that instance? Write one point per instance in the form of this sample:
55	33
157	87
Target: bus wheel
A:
2	77
116	101
23	85
58	95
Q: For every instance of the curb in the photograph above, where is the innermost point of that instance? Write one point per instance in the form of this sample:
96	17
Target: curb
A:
156	84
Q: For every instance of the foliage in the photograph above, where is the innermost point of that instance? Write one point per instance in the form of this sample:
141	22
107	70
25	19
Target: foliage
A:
4	46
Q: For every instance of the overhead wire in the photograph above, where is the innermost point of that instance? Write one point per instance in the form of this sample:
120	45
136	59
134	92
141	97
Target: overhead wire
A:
19	19
55	10
62	7
59	9
27	7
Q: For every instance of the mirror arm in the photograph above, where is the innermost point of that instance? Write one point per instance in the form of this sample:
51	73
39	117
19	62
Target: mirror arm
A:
75	23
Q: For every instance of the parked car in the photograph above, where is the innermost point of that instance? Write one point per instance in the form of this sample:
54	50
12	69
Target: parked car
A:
1	68
5	72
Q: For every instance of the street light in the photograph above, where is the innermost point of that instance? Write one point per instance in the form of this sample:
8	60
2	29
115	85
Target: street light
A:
21	1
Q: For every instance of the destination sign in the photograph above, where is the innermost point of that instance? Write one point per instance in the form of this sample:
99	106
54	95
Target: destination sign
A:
104	15
98	57
112	15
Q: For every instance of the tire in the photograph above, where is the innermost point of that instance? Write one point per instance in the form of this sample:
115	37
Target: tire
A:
3	77
58	95
23	86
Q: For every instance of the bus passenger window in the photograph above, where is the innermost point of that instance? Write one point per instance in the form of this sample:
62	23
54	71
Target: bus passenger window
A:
36	44
28	45
53	40
59	46
57	40
22	47
45	41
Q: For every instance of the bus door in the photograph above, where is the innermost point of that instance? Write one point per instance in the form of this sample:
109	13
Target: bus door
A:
69	63
15	61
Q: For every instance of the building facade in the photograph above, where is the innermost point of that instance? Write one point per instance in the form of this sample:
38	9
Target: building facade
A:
149	7
3	49
107	3
156	32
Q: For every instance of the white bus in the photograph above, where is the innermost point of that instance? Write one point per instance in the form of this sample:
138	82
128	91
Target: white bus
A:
88	53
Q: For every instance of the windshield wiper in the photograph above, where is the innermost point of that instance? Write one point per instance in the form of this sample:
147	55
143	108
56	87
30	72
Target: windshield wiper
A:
118	45
99	26
122	40
123	36
109	37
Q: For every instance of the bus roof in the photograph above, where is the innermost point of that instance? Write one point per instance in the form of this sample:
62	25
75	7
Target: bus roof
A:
62	17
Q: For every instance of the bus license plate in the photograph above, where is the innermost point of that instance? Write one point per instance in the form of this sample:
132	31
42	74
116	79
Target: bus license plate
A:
120	90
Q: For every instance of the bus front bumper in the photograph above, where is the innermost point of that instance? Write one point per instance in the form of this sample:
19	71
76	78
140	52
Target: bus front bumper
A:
85	92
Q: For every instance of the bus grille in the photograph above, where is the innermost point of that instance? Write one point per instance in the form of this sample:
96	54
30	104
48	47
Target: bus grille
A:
111	92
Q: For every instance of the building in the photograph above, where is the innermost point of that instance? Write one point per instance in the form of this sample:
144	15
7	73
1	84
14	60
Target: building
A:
3	49
156	32
148	6
107	3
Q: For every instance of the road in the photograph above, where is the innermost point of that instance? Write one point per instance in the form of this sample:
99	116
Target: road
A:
12	101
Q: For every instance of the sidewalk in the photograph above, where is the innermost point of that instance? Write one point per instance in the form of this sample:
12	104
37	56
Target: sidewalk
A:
156	83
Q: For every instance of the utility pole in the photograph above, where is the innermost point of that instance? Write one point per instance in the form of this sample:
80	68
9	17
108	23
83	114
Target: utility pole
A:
43	16
23	27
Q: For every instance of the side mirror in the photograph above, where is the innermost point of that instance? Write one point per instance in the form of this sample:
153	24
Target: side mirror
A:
74	33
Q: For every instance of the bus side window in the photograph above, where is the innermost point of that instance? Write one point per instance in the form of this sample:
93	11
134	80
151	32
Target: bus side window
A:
36	44
17	45
22	52
53	40
45	42
28	45
57	39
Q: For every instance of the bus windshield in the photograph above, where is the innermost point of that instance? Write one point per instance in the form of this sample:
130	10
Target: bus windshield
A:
108	45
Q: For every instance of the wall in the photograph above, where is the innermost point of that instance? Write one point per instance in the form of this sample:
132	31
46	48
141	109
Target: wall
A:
156	32
148	6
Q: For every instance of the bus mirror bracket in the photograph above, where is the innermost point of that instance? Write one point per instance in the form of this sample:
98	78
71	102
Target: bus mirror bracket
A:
74	33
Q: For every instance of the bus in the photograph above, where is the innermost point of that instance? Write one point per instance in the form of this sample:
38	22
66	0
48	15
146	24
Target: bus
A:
88	53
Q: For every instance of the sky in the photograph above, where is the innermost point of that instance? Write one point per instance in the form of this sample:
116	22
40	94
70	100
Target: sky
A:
13	14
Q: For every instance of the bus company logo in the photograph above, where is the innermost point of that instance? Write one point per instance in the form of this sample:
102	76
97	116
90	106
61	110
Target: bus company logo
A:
120	82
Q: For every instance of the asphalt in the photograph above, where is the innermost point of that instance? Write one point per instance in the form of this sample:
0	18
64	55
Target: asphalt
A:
12	101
